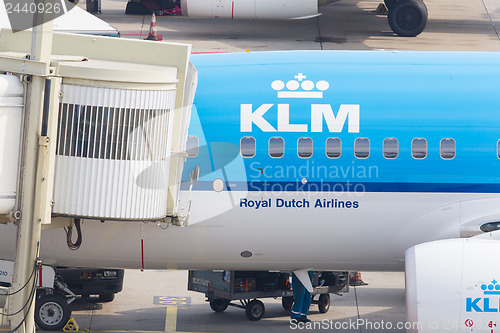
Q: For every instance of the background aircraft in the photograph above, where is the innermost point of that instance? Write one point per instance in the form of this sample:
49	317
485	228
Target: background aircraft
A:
406	18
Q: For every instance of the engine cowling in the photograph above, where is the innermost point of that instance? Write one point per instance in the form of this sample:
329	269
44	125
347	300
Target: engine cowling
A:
453	286
250	9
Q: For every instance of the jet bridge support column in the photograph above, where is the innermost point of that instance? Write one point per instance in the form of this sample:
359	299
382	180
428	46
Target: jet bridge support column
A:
33	201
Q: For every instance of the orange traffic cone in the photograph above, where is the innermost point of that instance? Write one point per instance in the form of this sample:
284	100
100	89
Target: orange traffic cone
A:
153	32
355	279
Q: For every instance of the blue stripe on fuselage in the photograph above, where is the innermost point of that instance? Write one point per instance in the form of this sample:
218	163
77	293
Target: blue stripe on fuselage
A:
348	187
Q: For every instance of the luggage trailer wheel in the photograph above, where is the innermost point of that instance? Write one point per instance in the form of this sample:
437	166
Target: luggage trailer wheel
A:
255	310
324	303
287	302
219	305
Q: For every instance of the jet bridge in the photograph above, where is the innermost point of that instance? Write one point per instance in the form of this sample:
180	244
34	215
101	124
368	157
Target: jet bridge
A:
121	128
90	127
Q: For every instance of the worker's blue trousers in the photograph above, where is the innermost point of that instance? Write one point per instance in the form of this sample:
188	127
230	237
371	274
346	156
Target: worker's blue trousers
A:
302	298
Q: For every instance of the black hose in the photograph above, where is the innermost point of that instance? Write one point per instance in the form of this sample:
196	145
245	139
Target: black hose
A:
69	234
28	303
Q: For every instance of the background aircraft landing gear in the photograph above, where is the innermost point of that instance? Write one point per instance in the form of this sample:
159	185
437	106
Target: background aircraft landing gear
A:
407	18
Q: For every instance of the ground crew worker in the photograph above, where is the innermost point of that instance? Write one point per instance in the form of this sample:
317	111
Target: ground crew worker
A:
302	300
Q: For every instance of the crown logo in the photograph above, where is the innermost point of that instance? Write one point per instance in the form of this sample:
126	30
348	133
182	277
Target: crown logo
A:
492	289
307	88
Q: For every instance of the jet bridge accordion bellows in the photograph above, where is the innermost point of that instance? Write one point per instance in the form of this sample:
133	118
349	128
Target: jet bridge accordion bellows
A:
113	152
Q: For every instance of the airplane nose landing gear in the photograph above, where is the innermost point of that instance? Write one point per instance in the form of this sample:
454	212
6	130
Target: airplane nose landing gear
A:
407	18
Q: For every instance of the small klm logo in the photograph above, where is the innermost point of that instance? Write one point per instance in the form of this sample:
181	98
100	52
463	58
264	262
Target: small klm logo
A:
486	303
308	88
492	289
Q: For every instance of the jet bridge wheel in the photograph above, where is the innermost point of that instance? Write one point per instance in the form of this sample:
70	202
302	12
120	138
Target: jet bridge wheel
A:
106	297
255	310
219	305
407	18
52	312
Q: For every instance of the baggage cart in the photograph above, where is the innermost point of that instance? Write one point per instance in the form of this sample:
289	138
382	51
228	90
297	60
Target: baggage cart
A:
223	287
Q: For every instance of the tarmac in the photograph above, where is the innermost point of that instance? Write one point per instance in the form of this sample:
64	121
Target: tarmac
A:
158	301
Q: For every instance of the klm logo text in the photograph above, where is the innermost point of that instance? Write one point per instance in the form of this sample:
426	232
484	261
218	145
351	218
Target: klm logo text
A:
481	305
485	304
320	114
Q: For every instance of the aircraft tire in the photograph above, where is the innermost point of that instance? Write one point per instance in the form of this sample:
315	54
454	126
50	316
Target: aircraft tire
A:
408	18
255	310
52	312
324	303
219	305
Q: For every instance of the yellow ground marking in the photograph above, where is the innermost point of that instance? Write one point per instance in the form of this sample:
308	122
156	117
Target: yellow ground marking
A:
170	324
171	319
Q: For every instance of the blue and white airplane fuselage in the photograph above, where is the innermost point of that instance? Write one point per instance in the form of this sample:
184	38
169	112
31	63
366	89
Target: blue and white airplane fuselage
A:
320	160
424	126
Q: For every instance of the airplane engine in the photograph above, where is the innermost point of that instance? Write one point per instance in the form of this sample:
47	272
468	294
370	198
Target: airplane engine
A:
250	9
453	286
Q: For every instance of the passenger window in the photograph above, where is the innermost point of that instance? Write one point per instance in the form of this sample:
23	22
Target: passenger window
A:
276	147
448	149
305	147
333	147
390	148
362	148
247	147
192	146
419	148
